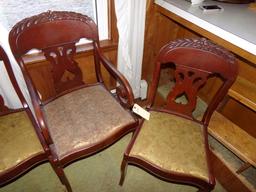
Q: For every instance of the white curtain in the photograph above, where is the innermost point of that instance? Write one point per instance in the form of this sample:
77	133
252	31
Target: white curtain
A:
6	90
131	25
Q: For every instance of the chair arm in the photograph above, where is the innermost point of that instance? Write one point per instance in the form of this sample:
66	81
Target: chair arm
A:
123	90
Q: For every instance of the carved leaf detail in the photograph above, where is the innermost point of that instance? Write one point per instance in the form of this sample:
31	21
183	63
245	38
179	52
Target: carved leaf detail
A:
47	17
203	44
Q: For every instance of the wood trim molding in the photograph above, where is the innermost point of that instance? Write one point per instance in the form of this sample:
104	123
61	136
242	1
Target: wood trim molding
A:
248	56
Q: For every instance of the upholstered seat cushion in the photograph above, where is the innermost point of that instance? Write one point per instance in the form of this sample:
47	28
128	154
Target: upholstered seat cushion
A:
84	118
18	140
173	144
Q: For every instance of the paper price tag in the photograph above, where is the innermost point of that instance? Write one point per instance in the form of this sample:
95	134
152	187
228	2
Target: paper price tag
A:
140	111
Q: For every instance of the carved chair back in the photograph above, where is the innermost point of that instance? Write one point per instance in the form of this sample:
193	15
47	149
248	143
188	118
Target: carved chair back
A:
194	61
55	33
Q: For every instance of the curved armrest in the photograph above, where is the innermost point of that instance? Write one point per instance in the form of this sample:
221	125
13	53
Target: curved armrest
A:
124	90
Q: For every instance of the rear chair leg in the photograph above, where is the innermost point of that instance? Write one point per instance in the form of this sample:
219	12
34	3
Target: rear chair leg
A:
123	171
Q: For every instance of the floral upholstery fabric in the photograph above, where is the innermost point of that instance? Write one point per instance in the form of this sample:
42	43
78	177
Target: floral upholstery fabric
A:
83	118
18	140
172	143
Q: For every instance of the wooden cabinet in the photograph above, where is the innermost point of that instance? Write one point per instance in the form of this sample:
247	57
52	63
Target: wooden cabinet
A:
244	91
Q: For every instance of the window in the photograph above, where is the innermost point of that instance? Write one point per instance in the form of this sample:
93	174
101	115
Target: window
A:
12	11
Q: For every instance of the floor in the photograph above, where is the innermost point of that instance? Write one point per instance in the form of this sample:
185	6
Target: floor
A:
97	173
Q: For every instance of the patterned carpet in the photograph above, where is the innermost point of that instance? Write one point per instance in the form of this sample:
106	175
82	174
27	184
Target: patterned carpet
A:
97	173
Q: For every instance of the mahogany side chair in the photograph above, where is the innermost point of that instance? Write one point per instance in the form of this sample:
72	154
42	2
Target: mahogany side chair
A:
81	118
173	144
22	144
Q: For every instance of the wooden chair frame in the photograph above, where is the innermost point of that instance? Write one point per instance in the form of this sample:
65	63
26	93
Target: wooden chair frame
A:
55	34
26	164
195	61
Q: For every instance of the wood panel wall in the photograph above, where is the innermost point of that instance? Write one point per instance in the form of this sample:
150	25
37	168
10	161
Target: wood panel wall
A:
159	30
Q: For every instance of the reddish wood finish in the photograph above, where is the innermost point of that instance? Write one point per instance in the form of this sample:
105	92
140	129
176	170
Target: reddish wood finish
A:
3	107
55	34
194	62
11	174
61	58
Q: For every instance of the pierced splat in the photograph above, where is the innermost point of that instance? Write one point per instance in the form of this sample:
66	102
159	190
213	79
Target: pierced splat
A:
182	99
66	72
188	83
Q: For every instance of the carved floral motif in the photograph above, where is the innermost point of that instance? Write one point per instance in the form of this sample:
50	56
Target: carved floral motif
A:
122	96
203	44
48	17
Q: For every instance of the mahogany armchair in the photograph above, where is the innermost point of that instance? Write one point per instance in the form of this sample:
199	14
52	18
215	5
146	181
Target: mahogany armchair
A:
81	118
173	144
18	153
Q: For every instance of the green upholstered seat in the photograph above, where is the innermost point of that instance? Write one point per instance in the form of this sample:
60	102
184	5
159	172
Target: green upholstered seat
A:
173	144
18	140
